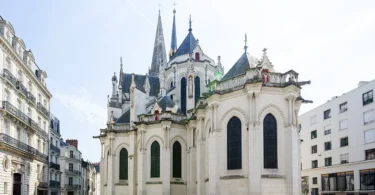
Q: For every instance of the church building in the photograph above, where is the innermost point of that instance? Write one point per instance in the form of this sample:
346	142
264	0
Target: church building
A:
187	127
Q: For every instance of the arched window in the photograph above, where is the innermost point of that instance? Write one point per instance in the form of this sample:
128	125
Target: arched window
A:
270	142
177	160
234	149
123	164
197	57
183	95
197	90
155	159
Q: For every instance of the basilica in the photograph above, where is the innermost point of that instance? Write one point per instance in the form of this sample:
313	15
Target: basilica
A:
188	127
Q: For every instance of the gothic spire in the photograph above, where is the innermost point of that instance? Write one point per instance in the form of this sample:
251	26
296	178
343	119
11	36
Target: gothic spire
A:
174	36
159	57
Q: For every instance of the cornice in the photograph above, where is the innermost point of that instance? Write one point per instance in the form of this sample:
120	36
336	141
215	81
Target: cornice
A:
24	67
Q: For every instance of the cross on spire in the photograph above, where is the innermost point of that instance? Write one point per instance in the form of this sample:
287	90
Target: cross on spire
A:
264	51
190	23
245	43
159	7
174	7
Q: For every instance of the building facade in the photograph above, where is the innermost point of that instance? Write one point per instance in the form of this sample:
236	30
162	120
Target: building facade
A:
188	128
338	144
71	168
97	181
24	118
89	178
54	154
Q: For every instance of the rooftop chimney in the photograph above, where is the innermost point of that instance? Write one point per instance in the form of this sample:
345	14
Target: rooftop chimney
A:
72	142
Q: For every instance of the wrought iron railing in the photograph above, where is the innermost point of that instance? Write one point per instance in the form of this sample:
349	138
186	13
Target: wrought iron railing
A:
31	97
54	166
4	138
72	186
24	118
54	148
22	88
55	184
74	172
43	184
10	77
43	109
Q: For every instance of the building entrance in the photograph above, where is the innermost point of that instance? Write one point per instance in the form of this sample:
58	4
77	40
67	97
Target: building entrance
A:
17	183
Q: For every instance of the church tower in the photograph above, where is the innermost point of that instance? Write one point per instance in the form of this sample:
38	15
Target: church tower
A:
159	57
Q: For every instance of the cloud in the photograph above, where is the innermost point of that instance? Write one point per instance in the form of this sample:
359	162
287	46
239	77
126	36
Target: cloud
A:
82	107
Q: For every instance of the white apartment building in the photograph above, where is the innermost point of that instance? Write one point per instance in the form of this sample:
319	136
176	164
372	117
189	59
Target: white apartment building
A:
54	153
89	178
70	164
338	144
24	117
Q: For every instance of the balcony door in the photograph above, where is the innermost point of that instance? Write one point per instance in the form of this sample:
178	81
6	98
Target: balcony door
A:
17	183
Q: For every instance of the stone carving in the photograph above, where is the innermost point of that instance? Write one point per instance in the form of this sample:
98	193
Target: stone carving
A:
190	87
243	113
271	106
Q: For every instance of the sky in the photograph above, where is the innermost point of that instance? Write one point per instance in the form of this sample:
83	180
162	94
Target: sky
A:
79	44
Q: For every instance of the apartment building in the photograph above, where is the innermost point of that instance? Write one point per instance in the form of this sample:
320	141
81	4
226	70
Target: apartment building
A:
70	164
338	144
54	153
24	117
89	178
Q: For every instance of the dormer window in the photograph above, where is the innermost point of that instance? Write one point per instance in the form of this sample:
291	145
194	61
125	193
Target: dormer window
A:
197	57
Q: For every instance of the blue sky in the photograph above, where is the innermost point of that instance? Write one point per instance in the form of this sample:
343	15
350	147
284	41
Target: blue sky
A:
79	44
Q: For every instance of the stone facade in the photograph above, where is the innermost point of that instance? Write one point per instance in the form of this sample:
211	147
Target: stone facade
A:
338	147
218	134
24	119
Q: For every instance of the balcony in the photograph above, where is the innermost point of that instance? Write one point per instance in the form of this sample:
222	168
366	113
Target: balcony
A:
31	97
18	114
9	77
72	186
22	89
54	166
72	172
43	185
43	109
54	148
13	145
54	184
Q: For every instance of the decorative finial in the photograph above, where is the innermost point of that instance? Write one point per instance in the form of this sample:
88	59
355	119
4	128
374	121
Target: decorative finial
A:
121	61
159	8
190	23
218	59
174	7
264	51
245	43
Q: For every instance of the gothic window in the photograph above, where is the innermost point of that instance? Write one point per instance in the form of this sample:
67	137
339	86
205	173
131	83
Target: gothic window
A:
197	90
183	95
270	142
155	160
197	57
123	164
234	150
177	160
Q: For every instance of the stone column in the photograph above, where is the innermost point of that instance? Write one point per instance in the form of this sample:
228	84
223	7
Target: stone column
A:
291	153
132	163
255	148
141	167
200	179
110	181
213	170
166	164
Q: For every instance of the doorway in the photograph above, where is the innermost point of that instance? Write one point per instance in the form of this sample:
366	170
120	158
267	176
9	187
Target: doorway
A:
17	183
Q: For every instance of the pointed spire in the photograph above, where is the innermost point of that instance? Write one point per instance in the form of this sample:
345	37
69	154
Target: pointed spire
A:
245	48
174	36
120	75
159	54
190	24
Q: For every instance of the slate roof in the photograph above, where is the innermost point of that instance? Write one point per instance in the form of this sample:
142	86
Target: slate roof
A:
187	46
97	168
139	82
166	102
238	68
124	118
